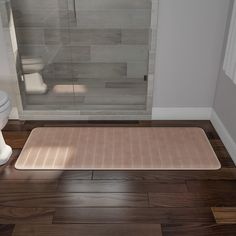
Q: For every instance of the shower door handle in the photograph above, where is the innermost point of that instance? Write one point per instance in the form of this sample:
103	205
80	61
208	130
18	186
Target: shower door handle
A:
72	7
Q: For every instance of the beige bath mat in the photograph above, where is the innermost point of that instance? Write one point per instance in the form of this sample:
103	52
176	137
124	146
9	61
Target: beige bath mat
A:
115	148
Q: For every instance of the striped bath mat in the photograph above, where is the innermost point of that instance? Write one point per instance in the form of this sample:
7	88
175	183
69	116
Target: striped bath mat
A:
117	148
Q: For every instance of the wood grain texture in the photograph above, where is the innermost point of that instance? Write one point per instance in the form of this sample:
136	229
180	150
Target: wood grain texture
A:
225	215
121	186
19	215
6	230
133	215
182	202
198	230
90	230
74	199
201	199
16	139
24	186
212	186
222	174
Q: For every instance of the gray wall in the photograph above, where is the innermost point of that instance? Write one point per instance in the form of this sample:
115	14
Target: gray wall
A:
191	34
225	99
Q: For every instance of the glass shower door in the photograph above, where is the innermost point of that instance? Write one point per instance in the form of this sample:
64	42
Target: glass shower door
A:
83	54
109	42
42	29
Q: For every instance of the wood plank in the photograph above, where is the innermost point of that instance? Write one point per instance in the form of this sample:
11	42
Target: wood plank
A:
198	230
132	215
16	139
207	188
204	124
25	186
14	215
191	200
8	172
224	215
222	174
11	161
222	153
121	186
74	200
91	230
211	186
6	230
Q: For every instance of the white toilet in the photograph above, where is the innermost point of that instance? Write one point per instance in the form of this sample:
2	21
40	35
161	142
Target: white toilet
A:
5	109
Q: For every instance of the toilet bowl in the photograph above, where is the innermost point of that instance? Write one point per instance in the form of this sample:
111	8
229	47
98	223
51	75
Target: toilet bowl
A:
5	109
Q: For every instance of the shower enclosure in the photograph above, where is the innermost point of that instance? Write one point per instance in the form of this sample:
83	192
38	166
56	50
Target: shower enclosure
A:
95	57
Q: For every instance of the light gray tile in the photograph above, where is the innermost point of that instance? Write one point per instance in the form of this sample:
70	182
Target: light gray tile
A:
49	100
5	11
29	5
29	19
72	54
48	54
56	36
135	36
95	36
119	53
96	70
62	70
126	85
116	100
137	70
105	109
113	4
114	19
43	18
73	36
33	51
88	70
48	72
57	19
108	92
30	35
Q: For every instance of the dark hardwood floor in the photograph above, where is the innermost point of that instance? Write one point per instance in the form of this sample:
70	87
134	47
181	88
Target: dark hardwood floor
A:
117	203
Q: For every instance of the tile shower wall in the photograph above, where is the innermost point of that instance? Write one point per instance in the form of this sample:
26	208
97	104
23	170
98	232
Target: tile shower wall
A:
93	39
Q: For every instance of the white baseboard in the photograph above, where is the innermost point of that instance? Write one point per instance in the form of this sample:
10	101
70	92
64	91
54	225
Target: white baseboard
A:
14	114
182	113
224	135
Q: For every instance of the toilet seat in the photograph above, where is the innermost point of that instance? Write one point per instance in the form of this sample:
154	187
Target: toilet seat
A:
5	107
3	99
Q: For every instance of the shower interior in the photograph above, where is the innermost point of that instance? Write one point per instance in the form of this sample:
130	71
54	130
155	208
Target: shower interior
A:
90	54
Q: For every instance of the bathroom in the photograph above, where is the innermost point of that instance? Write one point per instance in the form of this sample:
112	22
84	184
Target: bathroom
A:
85	58
117	117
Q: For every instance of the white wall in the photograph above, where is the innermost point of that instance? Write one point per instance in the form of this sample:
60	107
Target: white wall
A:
4	68
225	99
191	34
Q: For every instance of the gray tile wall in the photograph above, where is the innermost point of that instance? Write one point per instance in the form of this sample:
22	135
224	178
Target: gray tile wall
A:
108	40
103	31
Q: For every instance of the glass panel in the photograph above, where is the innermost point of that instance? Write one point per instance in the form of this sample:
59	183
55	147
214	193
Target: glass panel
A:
42	34
83	54
109	40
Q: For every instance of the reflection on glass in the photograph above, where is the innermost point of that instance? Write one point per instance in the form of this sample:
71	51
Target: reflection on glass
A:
83	53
